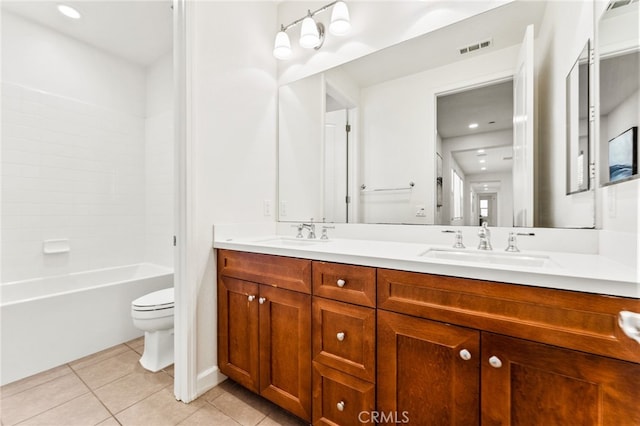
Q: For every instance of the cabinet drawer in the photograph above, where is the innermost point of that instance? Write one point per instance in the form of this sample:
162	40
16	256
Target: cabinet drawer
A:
344	337
276	271
340	399
348	283
574	320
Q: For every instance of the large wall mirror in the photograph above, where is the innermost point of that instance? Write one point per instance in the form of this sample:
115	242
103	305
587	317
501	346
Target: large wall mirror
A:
439	129
619	82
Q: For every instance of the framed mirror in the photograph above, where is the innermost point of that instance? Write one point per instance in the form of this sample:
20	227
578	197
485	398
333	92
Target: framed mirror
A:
578	111
619	94
397	168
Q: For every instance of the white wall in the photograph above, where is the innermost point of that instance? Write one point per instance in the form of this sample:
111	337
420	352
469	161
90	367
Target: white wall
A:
159	163
72	154
397	121
566	27
234	126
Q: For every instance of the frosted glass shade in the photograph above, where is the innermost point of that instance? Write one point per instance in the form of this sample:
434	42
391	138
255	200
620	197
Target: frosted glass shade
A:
340	22
282	46
309	35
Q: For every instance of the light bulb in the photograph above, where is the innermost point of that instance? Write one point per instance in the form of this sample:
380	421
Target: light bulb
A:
340	22
309	35
282	46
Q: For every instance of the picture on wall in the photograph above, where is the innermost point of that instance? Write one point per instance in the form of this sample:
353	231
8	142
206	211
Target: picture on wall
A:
623	155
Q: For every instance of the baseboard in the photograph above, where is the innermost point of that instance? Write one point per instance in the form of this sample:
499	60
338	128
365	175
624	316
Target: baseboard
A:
208	378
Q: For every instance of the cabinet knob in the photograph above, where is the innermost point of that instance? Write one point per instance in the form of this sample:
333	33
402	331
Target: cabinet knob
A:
465	354
251	298
495	362
340	283
340	406
262	300
340	336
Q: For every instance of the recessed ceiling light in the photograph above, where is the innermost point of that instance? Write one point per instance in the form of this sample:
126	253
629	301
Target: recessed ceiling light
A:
483	168
480	151
473	125
483	160
69	11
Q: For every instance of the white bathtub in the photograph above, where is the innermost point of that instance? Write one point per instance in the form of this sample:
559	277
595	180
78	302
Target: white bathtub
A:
47	322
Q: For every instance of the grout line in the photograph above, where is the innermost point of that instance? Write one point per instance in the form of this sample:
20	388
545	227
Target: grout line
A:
49	409
35	385
94	394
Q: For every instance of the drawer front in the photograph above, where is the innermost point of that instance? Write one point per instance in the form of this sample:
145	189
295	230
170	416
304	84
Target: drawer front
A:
574	320
340	399
276	271
344	337
347	283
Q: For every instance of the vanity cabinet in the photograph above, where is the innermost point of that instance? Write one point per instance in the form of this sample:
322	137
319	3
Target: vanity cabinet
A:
445	339
264	326
344	360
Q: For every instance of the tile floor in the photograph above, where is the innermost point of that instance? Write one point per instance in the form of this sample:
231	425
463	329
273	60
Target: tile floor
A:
110	388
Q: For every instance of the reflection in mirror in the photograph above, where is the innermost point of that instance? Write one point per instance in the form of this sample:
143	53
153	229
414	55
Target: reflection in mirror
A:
619	53
578	155
475	140
397	170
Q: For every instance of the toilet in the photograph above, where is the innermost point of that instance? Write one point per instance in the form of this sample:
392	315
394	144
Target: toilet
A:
153	313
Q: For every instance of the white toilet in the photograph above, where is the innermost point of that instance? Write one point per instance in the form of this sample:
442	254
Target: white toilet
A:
153	313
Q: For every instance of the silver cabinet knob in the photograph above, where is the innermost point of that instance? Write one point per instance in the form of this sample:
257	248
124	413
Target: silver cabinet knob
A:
262	300
340	283
340	406
251	298
465	354
340	336
495	362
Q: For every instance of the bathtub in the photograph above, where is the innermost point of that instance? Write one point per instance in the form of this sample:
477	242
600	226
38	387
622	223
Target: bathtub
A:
47	322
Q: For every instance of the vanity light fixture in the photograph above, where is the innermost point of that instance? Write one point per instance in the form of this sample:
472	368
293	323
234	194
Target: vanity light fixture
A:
311	32
69	11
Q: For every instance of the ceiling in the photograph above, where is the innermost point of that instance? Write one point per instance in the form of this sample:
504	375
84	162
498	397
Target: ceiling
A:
498	159
138	31
491	107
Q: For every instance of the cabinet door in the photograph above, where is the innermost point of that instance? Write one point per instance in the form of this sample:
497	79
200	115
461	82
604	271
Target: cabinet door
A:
285	349
428	372
238	331
527	383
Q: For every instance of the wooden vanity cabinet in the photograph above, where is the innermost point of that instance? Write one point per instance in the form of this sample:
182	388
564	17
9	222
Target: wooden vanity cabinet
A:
551	370
264	326
344	361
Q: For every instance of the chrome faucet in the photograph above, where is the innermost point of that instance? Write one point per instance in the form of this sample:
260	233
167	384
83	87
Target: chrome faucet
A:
458	240
312	230
485	237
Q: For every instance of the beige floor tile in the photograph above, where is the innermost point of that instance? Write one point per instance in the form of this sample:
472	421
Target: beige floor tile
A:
169	370
132	388
38	399
98	357
239	410
136	344
212	393
107	370
109	422
32	381
82	411
208	415
160	409
256	401
282	418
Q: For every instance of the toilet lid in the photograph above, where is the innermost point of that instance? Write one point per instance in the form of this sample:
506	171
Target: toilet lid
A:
161	299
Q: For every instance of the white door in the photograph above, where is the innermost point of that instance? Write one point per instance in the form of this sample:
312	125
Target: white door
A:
335	167
523	134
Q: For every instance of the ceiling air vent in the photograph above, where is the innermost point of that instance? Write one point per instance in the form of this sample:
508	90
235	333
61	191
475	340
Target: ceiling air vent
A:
479	45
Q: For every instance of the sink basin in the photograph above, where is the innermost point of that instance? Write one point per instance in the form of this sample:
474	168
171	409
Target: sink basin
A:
488	257
290	241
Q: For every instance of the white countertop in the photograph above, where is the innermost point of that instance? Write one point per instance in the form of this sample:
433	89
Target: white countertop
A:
590	273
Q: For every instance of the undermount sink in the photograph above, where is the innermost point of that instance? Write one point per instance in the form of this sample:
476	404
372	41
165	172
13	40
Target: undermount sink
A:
291	241
488	257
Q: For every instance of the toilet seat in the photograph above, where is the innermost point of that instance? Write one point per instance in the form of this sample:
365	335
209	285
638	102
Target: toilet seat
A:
156	301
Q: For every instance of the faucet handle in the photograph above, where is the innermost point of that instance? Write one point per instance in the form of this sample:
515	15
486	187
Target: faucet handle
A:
324	235
458	242
512	243
299	226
